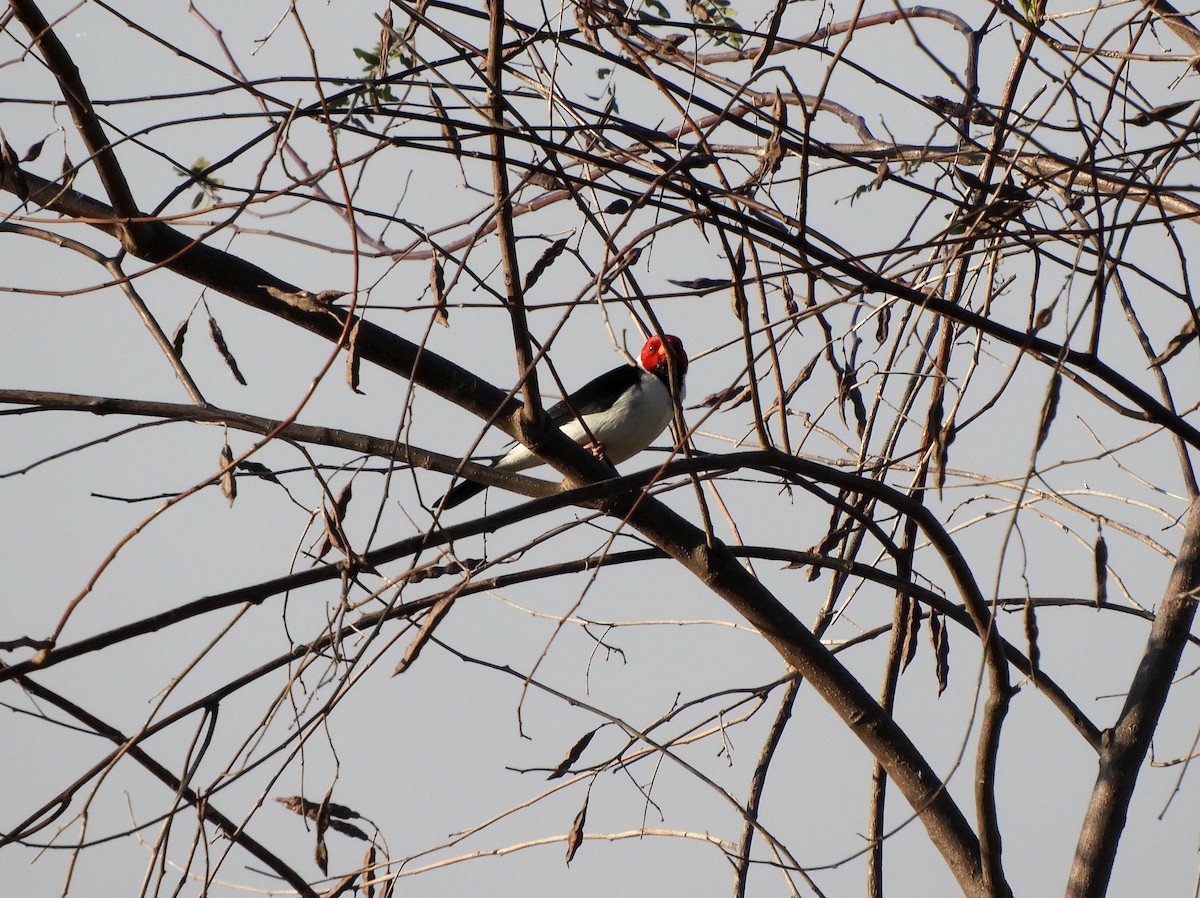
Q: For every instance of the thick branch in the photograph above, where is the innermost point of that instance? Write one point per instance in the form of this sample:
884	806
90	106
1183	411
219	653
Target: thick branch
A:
351	441
204	808
60	63
715	566
248	283
502	197
1129	740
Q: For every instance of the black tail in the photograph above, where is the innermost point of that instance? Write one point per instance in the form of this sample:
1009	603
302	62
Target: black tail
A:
461	493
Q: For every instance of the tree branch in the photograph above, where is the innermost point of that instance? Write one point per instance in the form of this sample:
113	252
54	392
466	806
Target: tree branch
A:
235	832
1126	744
86	121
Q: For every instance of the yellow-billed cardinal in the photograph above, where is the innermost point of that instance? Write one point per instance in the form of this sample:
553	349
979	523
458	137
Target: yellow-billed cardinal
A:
624	410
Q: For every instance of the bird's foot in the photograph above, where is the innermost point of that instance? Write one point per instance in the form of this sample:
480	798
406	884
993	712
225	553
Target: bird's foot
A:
597	449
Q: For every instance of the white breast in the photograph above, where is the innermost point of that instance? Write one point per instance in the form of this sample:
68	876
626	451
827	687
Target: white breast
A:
625	429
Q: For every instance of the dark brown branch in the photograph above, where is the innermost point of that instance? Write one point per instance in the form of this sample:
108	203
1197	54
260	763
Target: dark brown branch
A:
758	783
205	809
351	441
246	282
503	212
60	63
233	276
1126	744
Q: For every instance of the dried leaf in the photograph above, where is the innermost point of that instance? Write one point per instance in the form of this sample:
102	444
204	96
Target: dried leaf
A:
772	32
663	46
572	756
972	112
67	171
333	535
1011	193
737	301
1049	409
789	299
584	24
321	851
353	360
228	481
739	262
939	637
702	283
575	836
849	392
1100	555
409	30
330	811
552	252
179	336
1029	619
34	151
342	502
833	537
294	803
1158	114
696	160
218	339
329	539
699	11
616	207
772	152
303	299
437	283
882	171
910	624
1178	342
386	34
342	811
544	179
734	396
332	519
802	378
971	180
8	162
883	324
368	888
448	130
260	471
298	804
432	618
457	566
944	438
348	829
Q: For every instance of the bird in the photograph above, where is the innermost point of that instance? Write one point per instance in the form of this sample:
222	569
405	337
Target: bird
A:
624	409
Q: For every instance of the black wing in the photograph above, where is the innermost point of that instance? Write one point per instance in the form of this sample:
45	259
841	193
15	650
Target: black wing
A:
460	493
596	395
